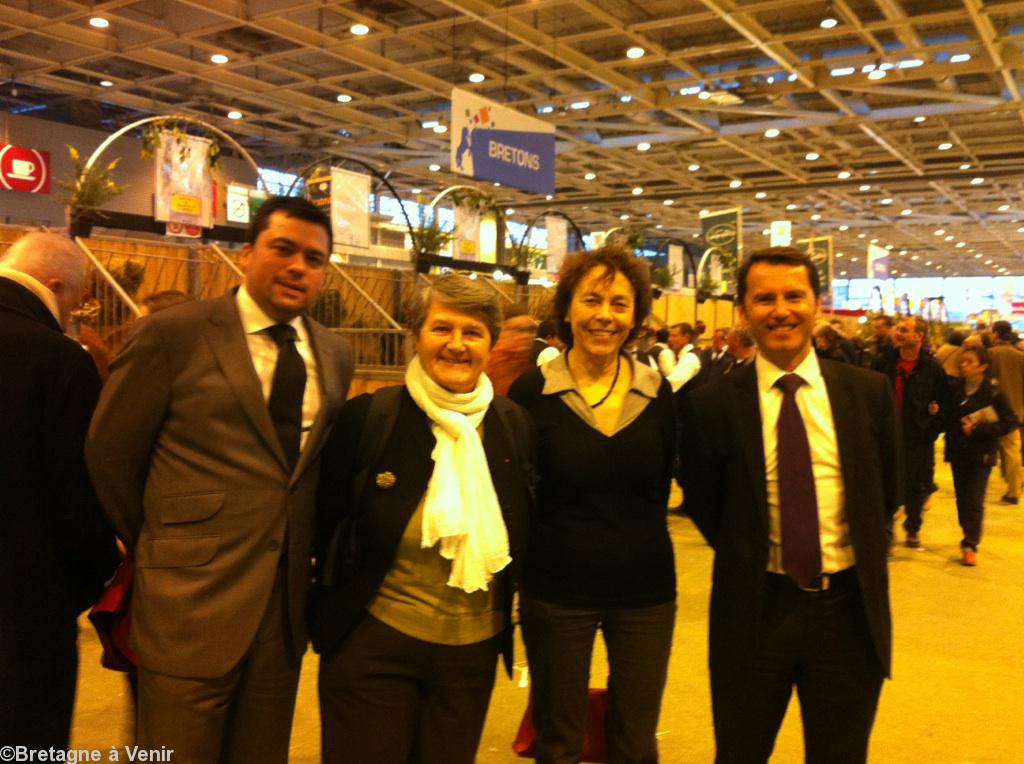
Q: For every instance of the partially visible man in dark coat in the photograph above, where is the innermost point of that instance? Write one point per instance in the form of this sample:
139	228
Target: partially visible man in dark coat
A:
56	550
792	474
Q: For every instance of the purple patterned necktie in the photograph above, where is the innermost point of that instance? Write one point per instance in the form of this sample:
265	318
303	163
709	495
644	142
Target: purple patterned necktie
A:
798	501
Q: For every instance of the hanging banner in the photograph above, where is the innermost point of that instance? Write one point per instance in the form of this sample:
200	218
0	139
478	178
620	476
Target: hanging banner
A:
493	142
350	208
878	262
558	242
722	233
820	251
467	234
675	265
24	169
237	205
184	185
781	233
318	189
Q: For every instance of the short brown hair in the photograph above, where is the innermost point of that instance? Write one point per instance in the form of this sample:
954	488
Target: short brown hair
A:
614	258
461	293
777	256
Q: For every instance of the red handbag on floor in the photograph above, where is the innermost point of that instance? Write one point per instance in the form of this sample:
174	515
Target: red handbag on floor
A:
595	736
111	616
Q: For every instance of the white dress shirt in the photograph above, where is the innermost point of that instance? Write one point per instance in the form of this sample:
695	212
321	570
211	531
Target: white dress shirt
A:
686	368
666	361
264	351
816	410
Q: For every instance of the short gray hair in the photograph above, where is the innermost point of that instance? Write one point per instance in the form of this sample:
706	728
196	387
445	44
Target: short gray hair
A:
46	256
456	291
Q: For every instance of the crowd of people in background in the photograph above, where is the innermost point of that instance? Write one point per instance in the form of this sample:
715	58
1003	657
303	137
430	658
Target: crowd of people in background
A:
261	510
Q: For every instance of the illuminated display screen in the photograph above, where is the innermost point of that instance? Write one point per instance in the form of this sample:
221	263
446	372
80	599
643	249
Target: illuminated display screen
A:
958	299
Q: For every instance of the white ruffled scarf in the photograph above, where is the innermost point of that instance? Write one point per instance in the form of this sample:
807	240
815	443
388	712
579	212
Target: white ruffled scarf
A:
461	508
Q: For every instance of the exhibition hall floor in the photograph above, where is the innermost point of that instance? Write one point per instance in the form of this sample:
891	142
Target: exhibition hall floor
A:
957	695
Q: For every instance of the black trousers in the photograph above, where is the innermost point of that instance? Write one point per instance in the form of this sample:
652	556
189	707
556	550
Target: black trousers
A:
970	480
920	481
390	698
818	642
559	642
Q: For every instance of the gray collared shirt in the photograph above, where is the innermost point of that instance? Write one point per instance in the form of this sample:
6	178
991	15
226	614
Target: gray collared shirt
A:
558	381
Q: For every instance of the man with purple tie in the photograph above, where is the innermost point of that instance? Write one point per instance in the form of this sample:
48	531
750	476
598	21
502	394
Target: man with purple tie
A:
792	476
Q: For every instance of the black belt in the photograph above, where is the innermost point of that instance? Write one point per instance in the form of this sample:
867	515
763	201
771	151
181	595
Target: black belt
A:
823	582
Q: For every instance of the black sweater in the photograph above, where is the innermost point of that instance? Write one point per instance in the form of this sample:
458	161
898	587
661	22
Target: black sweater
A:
984	438
599	537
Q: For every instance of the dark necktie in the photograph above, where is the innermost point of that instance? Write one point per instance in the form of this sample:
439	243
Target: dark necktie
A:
286	391
798	502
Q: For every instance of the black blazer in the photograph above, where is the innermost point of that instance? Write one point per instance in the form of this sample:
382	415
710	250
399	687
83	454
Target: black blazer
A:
980	446
356	540
724	482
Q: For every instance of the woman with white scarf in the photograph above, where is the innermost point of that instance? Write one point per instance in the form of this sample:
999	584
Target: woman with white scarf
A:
423	507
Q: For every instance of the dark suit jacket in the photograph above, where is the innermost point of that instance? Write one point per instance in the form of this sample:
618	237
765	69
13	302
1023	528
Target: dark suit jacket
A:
362	533
726	493
56	549
187	464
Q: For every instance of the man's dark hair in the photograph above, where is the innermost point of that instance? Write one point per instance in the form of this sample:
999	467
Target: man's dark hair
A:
293	207
1004	330
661	335
685	328
956	338
612	259
777	256
547	328
885	318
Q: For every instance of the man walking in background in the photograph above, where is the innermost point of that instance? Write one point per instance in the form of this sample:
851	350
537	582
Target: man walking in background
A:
1008	369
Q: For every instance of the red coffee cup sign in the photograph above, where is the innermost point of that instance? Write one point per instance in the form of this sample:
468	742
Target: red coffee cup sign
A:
23	169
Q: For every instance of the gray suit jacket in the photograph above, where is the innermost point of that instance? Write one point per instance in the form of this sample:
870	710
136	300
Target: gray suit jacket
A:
188	468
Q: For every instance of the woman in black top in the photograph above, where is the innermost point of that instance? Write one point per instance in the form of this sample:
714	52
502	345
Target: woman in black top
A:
598	552
978	419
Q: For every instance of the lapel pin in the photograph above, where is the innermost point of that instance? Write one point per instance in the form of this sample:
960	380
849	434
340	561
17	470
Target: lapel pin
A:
385	479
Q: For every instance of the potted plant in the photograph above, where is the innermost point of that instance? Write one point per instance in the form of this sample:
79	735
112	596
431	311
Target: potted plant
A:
86	191
430	238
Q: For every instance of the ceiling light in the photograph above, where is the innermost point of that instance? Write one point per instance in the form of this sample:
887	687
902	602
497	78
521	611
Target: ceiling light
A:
735	183
950	237
771	132
854	259
939	231
99	22
961	244
477	77
545	109
106	84
919	120
1021	229
844	228
978	256
910	63
703	95
865	187
766	232
874	241
637	190
693	167
913	257
417	191
965	166
877	74
829	20
839	254
843	174
988	262
577	105
960	58
792	77
624	216
791	206
430	124
1004	207
659	226
842	273
589	176
359	29
669	202
885	201
510	211
906	212
344	98
860	235
441	129
903	251
760	195
945	146
434	167
928	262
815	216
549	197
635	52
843	71
219	58
496	184
234	115
625	98
812	156
977	181
643	146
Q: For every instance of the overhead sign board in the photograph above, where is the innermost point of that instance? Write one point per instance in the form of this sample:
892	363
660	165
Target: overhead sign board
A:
781	233
495	143
878	262
24	169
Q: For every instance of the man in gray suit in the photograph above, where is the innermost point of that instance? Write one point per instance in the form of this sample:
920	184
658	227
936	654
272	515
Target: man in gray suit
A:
205	453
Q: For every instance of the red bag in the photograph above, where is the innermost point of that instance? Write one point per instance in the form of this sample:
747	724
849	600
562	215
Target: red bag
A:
595	739
111	616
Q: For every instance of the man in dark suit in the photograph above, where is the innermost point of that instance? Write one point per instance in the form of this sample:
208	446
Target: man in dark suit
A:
205	453
56	550
792	474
